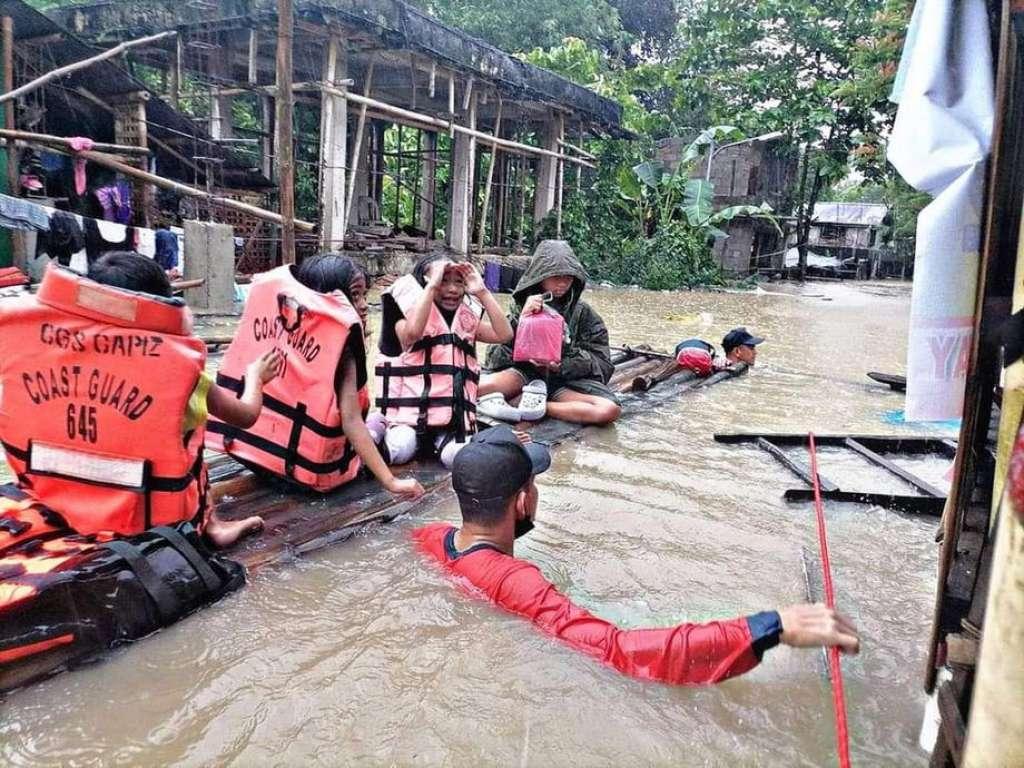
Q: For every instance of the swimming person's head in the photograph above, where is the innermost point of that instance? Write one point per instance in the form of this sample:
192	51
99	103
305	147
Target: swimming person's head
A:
132	272
493	480
453	285
333	272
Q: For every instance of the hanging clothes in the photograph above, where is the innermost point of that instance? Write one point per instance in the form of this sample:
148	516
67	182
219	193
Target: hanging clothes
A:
166	249
16	213
116	202
145	242
104	236
63	239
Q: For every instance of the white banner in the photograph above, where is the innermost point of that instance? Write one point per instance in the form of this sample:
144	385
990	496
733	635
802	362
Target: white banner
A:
939	145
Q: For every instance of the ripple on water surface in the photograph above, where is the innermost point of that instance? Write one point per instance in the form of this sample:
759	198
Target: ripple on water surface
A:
360	654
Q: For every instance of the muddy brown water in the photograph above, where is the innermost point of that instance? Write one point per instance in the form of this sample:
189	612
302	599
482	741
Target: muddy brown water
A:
361	654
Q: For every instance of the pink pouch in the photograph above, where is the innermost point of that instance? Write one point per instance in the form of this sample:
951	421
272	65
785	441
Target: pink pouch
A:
539	337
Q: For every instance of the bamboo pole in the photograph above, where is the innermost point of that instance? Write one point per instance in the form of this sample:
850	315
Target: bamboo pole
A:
120	149
490	178
8	84
159	181
285	116
578	150
117	50
427	120
354	163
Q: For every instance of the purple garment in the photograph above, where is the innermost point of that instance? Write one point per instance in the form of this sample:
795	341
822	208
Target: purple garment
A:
492	276
116	202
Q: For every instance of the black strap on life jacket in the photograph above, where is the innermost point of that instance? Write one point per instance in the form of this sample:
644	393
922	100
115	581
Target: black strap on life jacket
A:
151	483
458	401
299	419
168	605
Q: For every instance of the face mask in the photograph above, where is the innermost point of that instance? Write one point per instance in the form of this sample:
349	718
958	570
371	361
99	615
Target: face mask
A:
523	527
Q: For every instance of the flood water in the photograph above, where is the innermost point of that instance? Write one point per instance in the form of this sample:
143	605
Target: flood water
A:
361	654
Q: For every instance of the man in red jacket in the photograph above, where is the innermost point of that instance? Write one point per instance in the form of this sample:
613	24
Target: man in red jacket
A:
493	479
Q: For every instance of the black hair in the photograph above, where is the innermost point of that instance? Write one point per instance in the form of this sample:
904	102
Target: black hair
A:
132	272
329	272
419	271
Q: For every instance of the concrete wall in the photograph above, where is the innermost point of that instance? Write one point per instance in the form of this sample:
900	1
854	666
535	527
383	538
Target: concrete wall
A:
210	250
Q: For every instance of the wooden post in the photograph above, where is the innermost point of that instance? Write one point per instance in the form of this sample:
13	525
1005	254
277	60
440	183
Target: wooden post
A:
521	180
558	202
220	103
357	151
500	201
398	181
285	113
175	74
461	210
333	145
995	735
267	142
254	56
495	157
429	185
544	198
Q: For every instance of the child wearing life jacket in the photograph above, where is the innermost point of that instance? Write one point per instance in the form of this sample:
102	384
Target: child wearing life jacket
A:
576	388
312	430
105	400
427	371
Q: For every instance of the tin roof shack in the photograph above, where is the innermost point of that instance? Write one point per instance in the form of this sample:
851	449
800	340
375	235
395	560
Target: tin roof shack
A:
855	234
397	116
747	173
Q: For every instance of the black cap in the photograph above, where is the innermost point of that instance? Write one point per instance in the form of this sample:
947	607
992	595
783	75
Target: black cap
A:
739	337
493	467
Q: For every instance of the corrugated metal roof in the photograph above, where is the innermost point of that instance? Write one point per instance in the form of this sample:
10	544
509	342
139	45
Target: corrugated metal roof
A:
856	214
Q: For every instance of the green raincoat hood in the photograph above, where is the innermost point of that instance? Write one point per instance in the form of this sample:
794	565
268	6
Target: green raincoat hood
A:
550	259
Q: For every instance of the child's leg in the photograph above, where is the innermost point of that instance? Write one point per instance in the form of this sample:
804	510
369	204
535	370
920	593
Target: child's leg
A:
448	447
224	533
401	443
578	408
508	382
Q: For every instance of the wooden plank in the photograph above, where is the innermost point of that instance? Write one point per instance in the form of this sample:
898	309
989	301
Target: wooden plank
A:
794	466
912	444
900	472
952	723
922	505
284	124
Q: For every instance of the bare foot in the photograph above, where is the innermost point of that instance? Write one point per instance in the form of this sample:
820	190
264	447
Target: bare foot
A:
224	533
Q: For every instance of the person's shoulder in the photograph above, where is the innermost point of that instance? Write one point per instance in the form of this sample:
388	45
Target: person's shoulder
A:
430	538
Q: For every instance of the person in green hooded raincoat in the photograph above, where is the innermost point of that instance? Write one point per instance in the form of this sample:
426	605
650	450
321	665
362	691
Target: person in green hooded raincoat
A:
577	389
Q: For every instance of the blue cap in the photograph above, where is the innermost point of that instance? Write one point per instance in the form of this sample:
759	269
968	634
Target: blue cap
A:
739	337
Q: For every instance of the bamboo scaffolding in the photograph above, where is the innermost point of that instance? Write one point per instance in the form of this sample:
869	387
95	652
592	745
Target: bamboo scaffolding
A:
436	123
110	53
98	146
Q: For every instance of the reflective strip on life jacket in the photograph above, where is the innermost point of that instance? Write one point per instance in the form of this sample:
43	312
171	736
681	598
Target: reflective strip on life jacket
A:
434	382
299	434
96	383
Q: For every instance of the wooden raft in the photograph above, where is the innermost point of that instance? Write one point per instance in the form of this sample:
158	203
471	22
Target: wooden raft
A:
298	521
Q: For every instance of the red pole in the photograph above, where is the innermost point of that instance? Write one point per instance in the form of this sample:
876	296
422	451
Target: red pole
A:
835	671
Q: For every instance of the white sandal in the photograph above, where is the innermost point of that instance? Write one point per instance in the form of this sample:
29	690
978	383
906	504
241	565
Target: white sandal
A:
494	406
533	404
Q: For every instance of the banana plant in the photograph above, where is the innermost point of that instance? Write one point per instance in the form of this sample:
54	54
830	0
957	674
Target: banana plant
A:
656	195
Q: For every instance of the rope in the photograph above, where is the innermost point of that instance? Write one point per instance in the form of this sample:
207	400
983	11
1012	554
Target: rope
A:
835	671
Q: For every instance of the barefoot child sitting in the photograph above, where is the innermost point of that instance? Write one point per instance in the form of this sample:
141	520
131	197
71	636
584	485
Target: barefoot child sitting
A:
427	371
312	429
576	389
106	398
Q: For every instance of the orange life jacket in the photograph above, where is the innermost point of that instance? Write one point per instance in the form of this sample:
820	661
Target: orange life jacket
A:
434	382
95	386
299	433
